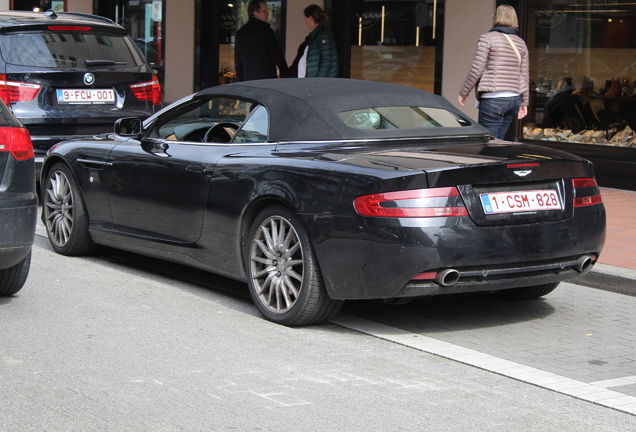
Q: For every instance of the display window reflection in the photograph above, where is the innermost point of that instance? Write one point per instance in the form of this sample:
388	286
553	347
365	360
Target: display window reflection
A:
582	69
143	21
397	42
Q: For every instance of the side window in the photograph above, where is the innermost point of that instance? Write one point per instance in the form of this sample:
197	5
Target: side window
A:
255	128
194	120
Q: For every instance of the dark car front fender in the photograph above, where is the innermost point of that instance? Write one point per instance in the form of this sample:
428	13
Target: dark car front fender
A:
87	161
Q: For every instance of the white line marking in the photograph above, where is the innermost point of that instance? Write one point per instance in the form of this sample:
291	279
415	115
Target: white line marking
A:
596	393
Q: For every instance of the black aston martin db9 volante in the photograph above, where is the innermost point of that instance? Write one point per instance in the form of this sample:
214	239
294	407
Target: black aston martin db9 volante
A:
315	191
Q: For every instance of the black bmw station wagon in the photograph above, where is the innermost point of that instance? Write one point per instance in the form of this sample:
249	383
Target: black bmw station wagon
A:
68	75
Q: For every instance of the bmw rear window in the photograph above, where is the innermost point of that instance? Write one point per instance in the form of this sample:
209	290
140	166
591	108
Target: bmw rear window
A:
61	49
380	118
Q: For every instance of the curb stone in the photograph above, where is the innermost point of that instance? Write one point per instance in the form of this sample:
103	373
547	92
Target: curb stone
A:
610	278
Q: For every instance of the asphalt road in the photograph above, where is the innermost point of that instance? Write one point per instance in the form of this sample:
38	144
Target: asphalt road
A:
117	342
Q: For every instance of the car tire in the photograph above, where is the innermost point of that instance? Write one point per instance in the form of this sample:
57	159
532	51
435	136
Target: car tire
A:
12	279
283	275
64	213
526	293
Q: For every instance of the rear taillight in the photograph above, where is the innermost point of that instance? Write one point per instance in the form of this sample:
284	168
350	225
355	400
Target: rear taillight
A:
148	91
16	141
586	192
15	91
437	202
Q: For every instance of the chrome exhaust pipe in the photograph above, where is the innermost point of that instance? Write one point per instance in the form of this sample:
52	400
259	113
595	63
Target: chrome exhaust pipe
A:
583	263
447	277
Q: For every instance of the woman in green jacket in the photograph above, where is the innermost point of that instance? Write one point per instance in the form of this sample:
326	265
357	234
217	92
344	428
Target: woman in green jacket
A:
317	55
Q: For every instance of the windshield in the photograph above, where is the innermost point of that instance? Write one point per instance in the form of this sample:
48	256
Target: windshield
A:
69	50
401	118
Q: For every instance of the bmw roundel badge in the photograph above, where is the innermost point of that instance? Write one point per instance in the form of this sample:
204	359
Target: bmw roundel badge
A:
89	79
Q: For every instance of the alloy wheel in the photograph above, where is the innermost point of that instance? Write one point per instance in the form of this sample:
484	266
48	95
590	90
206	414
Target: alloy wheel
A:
58	208
277	264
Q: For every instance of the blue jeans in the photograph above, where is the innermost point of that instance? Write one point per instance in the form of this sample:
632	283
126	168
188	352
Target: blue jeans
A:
496	114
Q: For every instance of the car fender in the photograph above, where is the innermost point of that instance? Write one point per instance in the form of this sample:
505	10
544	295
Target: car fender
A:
88	176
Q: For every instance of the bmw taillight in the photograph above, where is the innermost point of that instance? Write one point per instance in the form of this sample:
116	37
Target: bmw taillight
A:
436	202
148	91
586	192
70	28
15	91
17	141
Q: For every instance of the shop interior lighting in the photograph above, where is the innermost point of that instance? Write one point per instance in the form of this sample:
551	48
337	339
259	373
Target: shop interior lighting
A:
382	26
434	18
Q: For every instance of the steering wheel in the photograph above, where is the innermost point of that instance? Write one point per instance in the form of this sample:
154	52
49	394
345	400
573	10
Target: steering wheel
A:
221	133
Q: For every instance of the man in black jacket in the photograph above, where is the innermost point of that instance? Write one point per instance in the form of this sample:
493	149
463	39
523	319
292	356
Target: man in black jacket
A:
256	50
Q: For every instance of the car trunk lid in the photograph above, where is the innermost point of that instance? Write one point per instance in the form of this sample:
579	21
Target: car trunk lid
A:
500	183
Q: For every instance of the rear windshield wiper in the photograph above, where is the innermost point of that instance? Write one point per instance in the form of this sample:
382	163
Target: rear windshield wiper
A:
103	63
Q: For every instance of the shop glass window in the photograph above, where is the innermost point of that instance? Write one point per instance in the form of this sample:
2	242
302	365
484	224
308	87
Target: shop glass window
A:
143	21
582	71
396	41
233	16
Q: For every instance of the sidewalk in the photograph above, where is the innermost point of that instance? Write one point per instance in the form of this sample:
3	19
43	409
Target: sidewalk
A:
616	269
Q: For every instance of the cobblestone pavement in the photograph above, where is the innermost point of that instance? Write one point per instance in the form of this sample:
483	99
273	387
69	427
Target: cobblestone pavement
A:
94	344
583	334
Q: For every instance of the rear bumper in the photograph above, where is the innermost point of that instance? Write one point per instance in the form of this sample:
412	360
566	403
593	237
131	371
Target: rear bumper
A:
494	278
17	231
377	258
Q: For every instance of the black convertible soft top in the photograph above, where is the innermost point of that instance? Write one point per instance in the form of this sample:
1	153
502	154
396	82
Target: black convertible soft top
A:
307	109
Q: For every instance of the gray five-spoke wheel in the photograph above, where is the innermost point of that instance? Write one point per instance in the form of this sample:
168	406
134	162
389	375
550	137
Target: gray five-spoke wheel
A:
58	208
277	265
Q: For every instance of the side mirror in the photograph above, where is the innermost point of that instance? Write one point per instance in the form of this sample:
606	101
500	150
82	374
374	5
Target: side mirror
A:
128	127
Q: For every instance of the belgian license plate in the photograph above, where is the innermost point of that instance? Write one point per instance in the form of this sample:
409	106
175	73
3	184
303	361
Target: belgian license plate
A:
86	96
521	201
